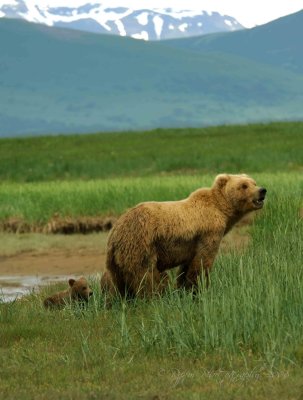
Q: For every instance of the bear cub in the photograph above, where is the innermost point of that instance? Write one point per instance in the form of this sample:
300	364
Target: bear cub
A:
78	290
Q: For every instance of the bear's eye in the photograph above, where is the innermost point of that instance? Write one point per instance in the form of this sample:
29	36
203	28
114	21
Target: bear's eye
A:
244	186
84	288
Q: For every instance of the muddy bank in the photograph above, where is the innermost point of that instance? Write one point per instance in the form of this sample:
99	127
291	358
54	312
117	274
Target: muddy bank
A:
57	224
72	225
53	262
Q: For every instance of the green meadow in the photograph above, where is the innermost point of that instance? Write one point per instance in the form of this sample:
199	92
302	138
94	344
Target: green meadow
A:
103	174
240	339
250	148
37	202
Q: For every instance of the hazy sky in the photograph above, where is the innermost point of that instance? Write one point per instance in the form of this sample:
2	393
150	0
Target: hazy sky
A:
248	12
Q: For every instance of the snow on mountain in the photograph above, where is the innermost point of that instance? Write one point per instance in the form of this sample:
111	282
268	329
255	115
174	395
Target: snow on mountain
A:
147	24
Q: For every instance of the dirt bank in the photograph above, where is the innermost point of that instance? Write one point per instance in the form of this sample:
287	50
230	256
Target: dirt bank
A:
54	262
58	224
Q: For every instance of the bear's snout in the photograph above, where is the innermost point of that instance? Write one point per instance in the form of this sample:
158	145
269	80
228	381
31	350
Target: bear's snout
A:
90	293
262	192
259	197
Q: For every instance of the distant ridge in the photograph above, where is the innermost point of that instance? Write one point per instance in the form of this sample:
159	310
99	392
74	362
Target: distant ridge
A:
278	43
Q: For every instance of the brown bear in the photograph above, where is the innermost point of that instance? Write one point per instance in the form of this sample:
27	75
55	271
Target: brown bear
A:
156	236
78	291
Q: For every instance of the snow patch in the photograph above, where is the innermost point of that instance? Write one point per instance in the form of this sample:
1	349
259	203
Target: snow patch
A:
158	22
171	27
183	27
34	14
142	35
200	24
120	27
143	18
2	14
227	22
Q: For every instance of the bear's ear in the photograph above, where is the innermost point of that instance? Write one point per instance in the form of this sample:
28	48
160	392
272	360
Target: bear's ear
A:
71	282
221	180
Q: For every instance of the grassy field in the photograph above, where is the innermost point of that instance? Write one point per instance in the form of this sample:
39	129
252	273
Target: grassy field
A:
37	202
103	174
251	148
241	339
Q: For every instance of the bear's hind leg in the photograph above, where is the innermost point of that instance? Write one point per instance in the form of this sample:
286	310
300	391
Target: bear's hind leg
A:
147	283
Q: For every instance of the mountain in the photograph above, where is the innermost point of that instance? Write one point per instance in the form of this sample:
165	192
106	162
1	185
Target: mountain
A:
278	43
145	24
55	80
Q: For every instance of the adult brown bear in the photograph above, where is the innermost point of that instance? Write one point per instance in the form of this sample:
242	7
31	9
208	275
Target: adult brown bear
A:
156	236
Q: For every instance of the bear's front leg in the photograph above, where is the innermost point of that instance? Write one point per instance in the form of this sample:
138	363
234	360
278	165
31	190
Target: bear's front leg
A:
203	259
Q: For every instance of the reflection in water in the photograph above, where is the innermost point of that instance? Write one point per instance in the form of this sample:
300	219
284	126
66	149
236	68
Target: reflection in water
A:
13	287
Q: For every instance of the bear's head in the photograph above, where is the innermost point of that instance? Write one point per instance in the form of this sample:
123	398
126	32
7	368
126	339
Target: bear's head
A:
80	289
241	192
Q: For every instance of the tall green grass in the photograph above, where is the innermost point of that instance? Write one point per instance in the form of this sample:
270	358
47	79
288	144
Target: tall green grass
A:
251	148
37	202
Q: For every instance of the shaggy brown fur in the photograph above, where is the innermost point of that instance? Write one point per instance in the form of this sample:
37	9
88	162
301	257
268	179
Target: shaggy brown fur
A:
78	291
156	236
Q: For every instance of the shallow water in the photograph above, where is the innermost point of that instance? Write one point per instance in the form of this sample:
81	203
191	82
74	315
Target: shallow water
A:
14	287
